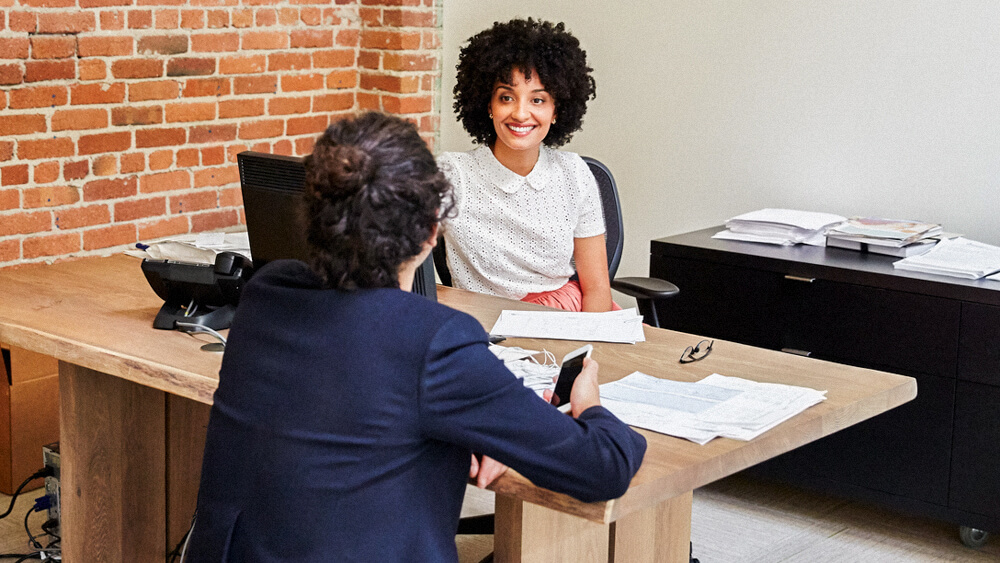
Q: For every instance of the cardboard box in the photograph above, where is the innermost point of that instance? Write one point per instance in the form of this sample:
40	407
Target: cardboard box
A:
29	415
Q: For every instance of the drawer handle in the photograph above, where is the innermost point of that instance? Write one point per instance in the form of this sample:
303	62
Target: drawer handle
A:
799	278
796	352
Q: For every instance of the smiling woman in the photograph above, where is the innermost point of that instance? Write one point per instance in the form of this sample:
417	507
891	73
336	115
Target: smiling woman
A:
529	216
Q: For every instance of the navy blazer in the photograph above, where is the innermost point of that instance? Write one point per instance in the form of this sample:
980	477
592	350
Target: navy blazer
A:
343	425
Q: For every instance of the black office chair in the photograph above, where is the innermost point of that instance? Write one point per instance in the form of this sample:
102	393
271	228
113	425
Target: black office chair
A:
646	291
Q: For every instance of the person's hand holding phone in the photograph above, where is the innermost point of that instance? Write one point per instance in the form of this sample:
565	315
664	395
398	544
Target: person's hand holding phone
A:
576	367
586	392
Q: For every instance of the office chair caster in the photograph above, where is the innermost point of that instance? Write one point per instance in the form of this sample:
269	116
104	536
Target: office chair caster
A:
973	537
691	557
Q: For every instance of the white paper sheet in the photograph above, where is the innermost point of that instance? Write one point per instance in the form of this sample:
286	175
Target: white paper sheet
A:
613	326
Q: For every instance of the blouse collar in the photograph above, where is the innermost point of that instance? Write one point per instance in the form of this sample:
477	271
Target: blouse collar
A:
510	181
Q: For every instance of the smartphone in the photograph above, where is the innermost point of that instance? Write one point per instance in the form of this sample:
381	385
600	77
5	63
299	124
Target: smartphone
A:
572	365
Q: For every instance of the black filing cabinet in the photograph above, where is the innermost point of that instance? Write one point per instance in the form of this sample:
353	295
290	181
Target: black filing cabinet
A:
938	455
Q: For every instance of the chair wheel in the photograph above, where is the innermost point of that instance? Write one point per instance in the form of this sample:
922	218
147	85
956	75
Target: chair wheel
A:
973	537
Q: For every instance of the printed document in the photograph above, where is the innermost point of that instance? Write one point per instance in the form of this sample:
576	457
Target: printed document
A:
613	326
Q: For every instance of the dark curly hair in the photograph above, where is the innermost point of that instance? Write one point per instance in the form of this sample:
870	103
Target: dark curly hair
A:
529	46
373	196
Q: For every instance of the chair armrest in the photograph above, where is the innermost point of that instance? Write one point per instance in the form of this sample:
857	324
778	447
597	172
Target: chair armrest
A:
645	288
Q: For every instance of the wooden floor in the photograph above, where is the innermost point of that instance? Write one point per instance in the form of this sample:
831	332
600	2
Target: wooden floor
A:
743	520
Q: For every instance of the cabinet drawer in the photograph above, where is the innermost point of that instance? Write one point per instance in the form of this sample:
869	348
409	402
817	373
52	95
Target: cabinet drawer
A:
979	347
975	471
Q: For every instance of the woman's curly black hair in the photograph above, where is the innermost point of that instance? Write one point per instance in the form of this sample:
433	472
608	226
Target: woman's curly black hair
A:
373	196
529	46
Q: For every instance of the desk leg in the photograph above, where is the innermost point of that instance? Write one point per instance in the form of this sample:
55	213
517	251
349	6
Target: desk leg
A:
112	453
657	534
529	533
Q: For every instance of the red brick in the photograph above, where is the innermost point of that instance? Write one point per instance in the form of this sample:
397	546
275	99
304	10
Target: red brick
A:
242	18
402	105
133	209
50	196
6	147
77	119
159	90
51	245
77	217
163	228
83	94
282	146
167	19
409	61
370	59
255	85
211	156
137	68
408	18
45	173
333	102
371	16
342	79
311	16
266	17
431	40
285	106
311	125
165	181
38	97
218	176
162	45
133	162
136	115
217	19
388	83
66	22
288	16
37	71
10	250
192	19
105	142
11	74
10	199
368	101
187	112
147	138
14	47
114	235
23	22
194	201
104	3
109	189
253	40
140	19
47	3
112	20
230	197
53	46
237	108
190	67
21	124
161	160
218	133
92	69
349	38
105	165
45	148
278	62
25	223
311	38
215	42
76	170
105	46
262	129
302	83
14	175
252	64
207	87
214	220
233	150
187	158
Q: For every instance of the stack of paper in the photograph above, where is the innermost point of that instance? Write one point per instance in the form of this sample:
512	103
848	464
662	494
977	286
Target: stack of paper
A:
960	257
884	236
716	406
780	226
198	248
613	326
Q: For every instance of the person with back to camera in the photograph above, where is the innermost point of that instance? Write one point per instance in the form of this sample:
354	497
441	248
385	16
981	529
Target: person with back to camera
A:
526	211
347	407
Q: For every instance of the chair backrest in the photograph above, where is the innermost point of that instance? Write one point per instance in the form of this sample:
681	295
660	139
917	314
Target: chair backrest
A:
613	224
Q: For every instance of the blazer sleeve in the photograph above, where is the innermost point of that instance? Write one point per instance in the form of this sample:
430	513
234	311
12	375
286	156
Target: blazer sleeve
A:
467	397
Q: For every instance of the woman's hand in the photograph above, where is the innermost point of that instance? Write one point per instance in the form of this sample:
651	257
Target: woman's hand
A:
591	257
485	471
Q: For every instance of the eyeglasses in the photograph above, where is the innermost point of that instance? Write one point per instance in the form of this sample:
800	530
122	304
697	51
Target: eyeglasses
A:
697	352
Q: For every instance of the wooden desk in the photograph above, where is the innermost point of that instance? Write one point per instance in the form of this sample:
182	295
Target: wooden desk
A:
134	403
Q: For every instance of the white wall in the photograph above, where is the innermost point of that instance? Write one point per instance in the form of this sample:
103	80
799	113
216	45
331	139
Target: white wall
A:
706	109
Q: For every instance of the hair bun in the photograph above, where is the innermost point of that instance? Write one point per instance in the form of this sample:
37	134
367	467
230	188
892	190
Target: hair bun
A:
346	170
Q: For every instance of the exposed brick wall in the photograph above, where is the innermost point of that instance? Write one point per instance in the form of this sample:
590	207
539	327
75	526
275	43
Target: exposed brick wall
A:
120	120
